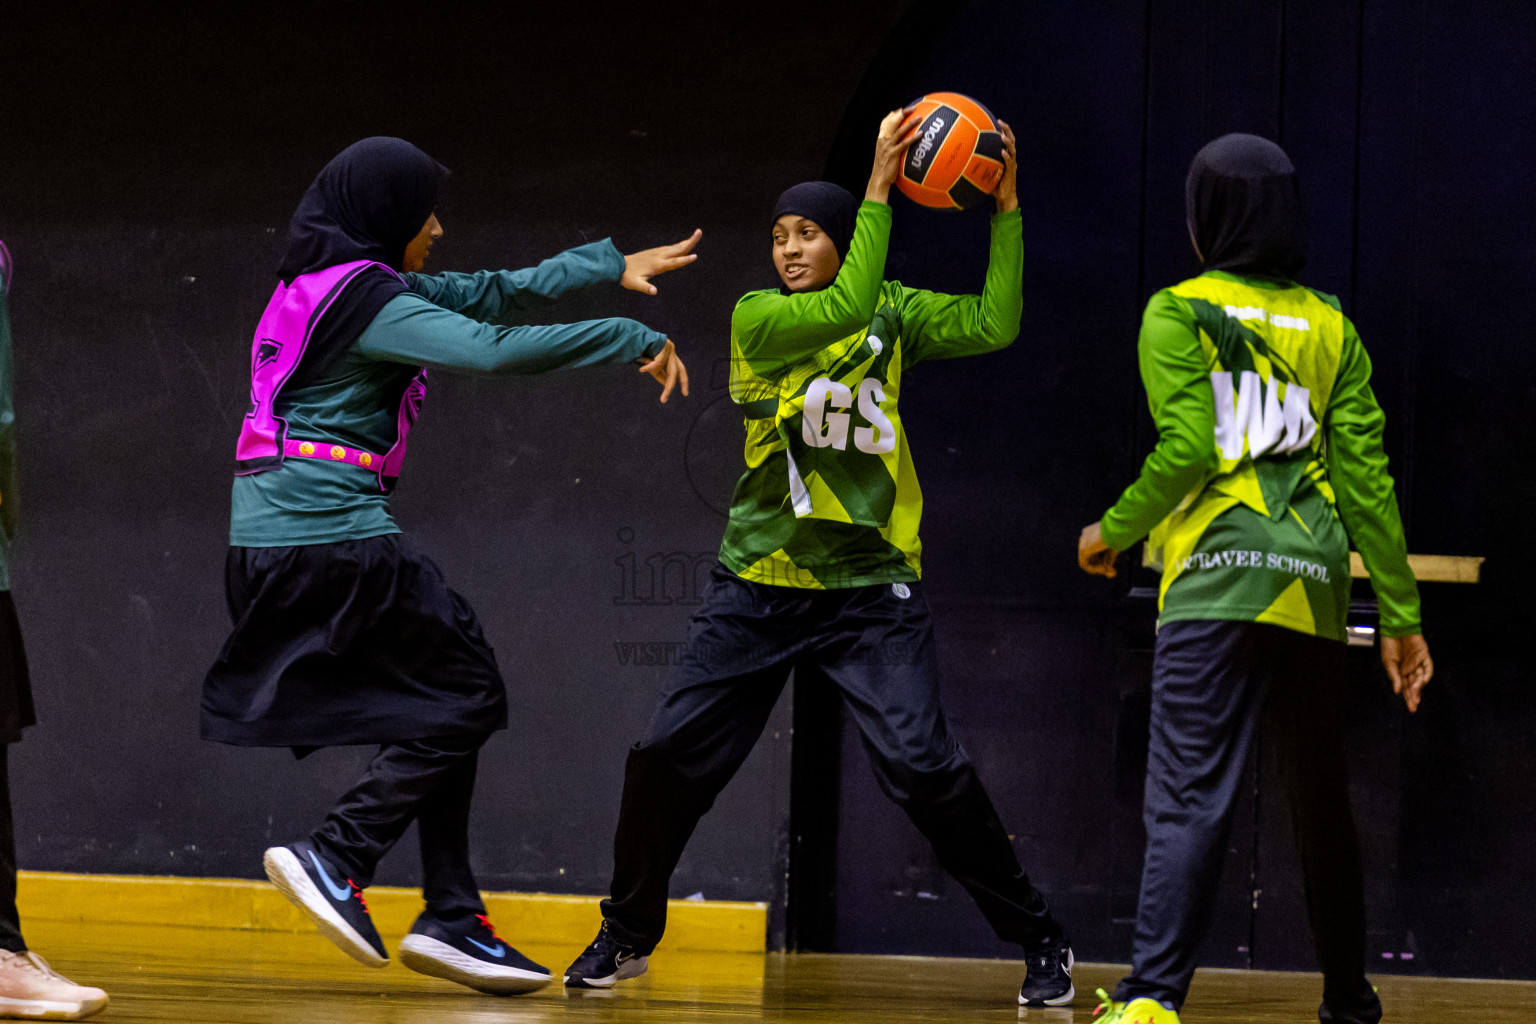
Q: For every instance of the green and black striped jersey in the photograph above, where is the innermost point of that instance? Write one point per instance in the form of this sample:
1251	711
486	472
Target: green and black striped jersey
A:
1268	463
830	497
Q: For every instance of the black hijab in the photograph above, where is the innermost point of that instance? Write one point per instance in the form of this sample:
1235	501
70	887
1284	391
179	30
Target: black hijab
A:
1244	208
832	207
366	204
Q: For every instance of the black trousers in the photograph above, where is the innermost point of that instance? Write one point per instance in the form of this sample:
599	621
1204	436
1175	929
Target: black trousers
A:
16	714
876	646
10	920
1212	683
430	781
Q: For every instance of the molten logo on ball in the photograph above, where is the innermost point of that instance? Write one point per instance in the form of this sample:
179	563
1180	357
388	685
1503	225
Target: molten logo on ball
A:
923	147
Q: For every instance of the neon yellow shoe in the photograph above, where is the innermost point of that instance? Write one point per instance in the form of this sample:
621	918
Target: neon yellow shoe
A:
1137	1011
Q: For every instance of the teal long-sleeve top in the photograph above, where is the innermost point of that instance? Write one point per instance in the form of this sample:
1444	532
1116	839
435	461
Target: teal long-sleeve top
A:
456	322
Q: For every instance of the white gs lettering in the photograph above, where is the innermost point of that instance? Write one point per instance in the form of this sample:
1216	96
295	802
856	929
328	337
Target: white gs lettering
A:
822	428
880	436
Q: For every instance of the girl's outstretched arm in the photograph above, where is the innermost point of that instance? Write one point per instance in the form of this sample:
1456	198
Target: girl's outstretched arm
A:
497	295
648	263
411	330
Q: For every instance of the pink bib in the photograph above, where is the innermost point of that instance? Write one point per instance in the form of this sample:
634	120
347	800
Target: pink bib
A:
282	337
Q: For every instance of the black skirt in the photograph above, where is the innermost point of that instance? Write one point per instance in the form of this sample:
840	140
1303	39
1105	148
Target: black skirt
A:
16	711
355	642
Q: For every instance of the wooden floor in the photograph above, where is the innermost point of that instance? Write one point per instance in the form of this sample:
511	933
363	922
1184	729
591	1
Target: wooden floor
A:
198	975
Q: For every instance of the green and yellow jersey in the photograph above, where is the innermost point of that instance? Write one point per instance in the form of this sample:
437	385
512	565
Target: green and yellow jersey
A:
830	497
1268	462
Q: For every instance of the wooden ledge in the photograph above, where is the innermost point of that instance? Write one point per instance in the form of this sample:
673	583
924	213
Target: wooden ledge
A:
532	918
1431	568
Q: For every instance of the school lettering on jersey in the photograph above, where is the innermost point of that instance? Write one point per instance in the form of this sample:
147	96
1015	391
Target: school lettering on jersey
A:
1260	538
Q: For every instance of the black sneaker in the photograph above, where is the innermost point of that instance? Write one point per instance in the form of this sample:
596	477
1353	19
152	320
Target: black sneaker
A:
310	881
1048	978
472	955
605	962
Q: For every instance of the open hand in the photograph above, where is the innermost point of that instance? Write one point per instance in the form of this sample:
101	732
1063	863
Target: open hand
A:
668	370
1408	665
897	130
647	263
1093	555
1007	192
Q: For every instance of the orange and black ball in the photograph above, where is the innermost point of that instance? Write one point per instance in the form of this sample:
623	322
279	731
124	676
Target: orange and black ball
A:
956	160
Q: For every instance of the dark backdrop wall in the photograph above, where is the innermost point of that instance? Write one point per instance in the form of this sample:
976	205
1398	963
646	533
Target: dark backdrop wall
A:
150	162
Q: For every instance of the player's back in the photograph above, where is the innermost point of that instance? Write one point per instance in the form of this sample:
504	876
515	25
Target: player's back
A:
1260	538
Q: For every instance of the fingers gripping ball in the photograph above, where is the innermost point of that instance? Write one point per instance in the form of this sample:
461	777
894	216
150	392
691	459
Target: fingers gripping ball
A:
957	158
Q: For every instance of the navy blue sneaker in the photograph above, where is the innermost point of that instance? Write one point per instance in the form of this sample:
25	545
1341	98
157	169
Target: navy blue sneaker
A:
332	900
1048	975
472	955
604	962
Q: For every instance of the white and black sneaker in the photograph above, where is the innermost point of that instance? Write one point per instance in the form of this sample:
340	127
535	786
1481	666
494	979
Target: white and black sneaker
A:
314	884
1048	977
472	955
605	962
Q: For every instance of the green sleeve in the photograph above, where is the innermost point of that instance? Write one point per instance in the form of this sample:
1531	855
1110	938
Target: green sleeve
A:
1178	383
1362	488
409	329
938	326
7	427
770	329
496	294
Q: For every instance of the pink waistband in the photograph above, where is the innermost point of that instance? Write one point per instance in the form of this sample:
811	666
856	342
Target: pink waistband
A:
331	453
